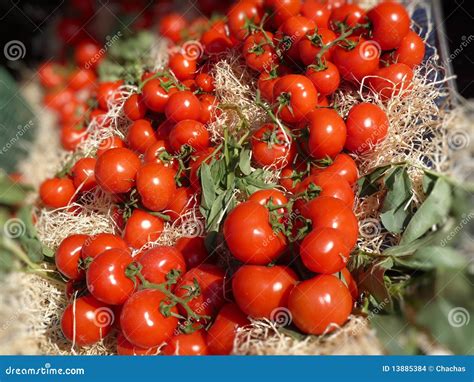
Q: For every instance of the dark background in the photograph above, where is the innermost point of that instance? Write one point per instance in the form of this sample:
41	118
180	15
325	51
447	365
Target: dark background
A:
30	21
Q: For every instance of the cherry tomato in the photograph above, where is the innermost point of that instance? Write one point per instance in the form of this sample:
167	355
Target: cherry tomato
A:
193	250
183	67
346	277
159	261
249	235
134	108
181	201
187	344
88	54
276	197
317	12
112	142
391	80
106	278
57	192
157	153
108	92
221	335
342	165
259	290
356	62
326	80
266	82
124	347
142	322
141	135
81	79
293	31
333	213
411	50
240	15
324	251
116	170
282	10
327	133
156	185
86	321
390	24
349	14
68	256
156	93
183	105
172	26
57	98
83	174
208	108
191	133
295	96
101	242
216	39
211	280
289	179
332	185
367	124
271	146
258	51
205	82
310	46
50	75
142	228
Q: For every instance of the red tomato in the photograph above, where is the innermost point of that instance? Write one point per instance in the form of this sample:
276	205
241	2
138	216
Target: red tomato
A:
101	242
156	93
292	32
183	66
391	80
187	344
68	255
271	146
249	235
106	278
57	192
411	50
320	304
156	185
208	108
141	135
216	39
81	79
354	63
193	250
319	13
116	170
142	228
342	165
259	52
83	174
86	321
211	280
134	108
333	213
108	92
57	98
159	261
183	105
332	185
71	136
349	14
191	133
325	80
172	26
50	75
310	46
276	197
88	54
390	24
181	201
126	348
289	179
142	322
112	142
327	133
282	10
259	290
265	84
220	336
323	251
240	15
205	82
367	124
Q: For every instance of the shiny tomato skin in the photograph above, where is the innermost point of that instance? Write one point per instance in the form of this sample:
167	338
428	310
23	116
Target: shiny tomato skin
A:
71	136
142	323
140	136
157	262
239	14
205	82
156	93
327	133
57	192
194	343
265	85
391	80
282	10
332	185
134	108
81	79
189	132
124	347
156	185
112	142
411	50
83	174
272	147
183	105
211	280
342	165
350	14
83	321
326	81
107	92
87	54
367	124
346	277
182	200
317	303
183	67
296	97
193	250
68	256
258	52
249	235
116	170
295	29
141	228
208	108
259	290
324	251
325	211
172	26
317	12
106	278
152	154
96	244
390	24
220	336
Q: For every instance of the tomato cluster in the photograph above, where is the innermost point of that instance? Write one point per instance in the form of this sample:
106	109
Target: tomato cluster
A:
287	245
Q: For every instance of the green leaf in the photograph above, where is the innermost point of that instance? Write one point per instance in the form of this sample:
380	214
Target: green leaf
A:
433	257
208	186
33	248
11	193
244	162
395	335
433	211
368	184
